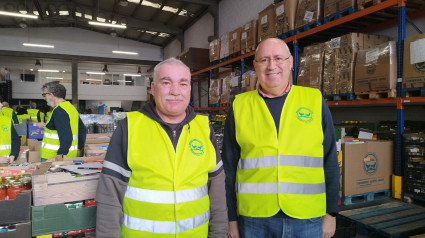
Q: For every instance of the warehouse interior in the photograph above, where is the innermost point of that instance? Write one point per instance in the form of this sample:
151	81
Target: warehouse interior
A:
366	57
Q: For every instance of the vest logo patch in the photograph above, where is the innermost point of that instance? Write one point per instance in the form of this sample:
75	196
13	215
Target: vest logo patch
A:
4	128
370	163
196	147
304	114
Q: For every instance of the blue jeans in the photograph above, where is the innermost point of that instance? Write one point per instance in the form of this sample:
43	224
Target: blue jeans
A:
280	227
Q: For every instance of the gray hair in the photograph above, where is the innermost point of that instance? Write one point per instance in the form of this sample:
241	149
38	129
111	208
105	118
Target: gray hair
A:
55	88
283	42
171	60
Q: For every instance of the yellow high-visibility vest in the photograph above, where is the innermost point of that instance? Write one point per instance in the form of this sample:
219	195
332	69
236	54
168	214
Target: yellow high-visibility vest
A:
167	193
280	170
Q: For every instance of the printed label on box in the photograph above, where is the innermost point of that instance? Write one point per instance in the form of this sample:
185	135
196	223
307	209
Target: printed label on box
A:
280	10
243	36
264	19
417	49
335	43
372	55
308	16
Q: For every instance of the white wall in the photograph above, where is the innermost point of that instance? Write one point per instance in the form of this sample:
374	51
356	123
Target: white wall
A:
75	41
172	49
197	35
233	14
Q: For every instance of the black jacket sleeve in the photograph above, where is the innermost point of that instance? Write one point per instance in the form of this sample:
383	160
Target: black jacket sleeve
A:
16	142
82	132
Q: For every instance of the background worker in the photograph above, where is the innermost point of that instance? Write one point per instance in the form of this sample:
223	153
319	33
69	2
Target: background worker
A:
7	111
22	113
64	133
33	111
279	154
167	184
9	139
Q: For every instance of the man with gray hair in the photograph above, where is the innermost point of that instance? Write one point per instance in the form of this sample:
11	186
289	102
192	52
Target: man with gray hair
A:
64	133
163	174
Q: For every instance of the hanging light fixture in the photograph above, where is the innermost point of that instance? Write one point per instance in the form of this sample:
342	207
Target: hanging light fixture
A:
105	69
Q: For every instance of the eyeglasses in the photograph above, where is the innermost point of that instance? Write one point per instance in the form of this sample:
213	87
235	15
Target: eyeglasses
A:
277	60
44	94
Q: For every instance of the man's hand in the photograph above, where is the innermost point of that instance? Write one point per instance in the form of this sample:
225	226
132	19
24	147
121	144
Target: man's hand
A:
233	230
328	226
6	159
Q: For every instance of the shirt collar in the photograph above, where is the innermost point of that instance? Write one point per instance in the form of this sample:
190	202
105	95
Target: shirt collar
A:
266	95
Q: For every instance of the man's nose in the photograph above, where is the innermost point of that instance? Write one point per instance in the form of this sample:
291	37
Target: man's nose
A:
174	89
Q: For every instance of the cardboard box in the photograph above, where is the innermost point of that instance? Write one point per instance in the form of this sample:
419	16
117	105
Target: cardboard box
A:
414	62
195	58
285	16
23	155
224	45
34	156
95	149
266	23
367	167
334	6
57	218
214	50
249	37
235	41
308	12
98	138
16	210
21	230
376	68
51	188
35	130
34	144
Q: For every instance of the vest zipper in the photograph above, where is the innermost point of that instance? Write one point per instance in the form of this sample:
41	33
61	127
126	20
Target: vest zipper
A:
174	181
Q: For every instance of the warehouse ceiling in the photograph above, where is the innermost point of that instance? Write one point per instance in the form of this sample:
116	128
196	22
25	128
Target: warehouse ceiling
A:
155	22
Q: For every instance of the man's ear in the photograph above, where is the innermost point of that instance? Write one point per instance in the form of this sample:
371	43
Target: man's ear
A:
153	88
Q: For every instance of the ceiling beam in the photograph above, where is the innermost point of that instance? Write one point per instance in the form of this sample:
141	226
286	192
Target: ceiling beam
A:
201	2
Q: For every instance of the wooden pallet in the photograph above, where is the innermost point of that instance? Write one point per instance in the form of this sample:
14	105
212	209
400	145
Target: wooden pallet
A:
365	197
308	26
362	4
339	14
393	219
339	97
413	92
390	93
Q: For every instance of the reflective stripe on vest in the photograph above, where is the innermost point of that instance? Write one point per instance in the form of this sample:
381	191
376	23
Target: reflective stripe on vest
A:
280	170
167	191
56	136
166	197
5	147
56	147
166	227
116	168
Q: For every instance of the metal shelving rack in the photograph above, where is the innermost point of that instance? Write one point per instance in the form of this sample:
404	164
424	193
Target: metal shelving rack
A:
384	14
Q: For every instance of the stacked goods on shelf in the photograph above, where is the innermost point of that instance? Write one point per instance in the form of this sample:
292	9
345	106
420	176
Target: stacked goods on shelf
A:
235	86
249	81
235	42
367	170
285	16
337	6
217	124
414	62
195	58
308	13
96	123
311	66
214	50
414	158
215	91
224	46
266	23
249	37
329	70
97	144
376	68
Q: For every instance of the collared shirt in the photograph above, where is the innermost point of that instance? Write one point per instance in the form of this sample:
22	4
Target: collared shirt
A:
266	95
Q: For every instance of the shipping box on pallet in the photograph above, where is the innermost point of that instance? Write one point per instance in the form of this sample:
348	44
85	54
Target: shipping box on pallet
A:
51	188
249	37
285	16
195	58
57	218
414	62
367	166
376	68
266	23
235	41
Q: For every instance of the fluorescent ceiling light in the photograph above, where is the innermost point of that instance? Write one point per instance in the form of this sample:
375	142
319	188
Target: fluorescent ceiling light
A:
99	80
101	73
48	70
38	45
12	14
170	9
133	75
53	78
124	52
125	81
151	4
106	24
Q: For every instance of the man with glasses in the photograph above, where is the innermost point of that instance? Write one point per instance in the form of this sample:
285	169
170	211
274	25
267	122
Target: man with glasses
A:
279	155
64	133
